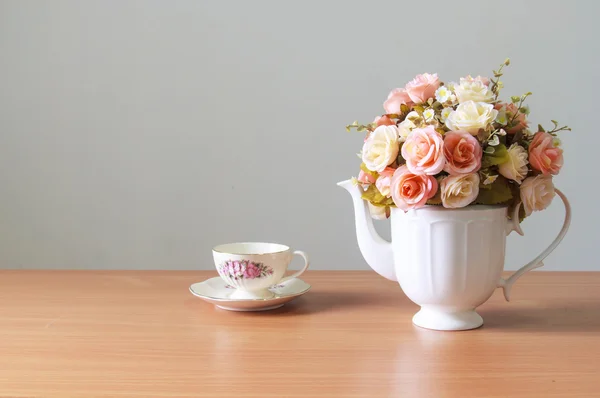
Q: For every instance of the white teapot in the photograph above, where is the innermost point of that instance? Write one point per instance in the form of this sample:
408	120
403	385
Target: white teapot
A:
448	261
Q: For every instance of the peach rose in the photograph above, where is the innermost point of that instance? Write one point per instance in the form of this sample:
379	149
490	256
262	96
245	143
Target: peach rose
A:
460	190
543	155
422	87
520	122
423	151
365	178
411	191
383	121
396	97
463	153
384	180
537	193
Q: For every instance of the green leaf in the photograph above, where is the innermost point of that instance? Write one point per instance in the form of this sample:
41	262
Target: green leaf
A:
373	195
498	193
373	174
419	109
515	99
540	128
499	156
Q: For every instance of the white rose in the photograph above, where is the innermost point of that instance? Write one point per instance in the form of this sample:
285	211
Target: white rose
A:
473	89
516	166
404	129
379	212
537	193
471	116
459	190
381	148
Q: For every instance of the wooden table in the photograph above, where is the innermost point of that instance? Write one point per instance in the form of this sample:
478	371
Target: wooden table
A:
142	334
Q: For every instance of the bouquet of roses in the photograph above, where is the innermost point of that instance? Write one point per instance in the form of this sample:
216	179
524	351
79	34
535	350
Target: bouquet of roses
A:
456	144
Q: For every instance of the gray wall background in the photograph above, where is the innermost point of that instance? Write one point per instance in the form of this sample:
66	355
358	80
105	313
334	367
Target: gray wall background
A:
138	134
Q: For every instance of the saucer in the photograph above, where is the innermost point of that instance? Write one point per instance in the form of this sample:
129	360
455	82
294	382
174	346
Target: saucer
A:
217	292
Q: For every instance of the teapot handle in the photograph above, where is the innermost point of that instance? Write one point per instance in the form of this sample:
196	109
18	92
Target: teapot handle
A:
513	225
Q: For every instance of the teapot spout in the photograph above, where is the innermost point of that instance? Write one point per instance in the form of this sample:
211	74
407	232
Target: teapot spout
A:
376	251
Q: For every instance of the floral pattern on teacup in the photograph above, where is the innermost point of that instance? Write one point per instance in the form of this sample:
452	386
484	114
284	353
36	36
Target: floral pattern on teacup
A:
244	269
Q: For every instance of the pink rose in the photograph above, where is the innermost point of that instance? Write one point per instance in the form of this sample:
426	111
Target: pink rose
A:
383	121
423	151
365	178
411	191
396	97
463	153
543	155
422	87
384	180
520	121
252	271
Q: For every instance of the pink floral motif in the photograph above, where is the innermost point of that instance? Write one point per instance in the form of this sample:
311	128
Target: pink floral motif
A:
244	269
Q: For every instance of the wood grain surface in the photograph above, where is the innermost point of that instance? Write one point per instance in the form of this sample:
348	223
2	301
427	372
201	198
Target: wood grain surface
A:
143	334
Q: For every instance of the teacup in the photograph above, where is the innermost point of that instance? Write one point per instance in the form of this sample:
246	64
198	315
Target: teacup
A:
252	267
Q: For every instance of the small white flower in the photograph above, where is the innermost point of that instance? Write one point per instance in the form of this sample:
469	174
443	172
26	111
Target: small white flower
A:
445	113
428	114
442	94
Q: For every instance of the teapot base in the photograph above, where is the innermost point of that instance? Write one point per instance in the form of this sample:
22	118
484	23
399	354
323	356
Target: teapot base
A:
440	318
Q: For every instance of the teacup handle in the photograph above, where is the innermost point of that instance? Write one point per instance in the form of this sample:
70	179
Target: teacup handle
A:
513	225
298	273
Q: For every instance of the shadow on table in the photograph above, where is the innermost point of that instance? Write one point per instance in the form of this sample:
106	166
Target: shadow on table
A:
324	301
551	318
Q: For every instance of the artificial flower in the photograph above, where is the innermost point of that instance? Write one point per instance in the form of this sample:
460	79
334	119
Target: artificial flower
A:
459	190
536	193
473	89
463	153
445	113
384	180
423	151
422	87
381	148
442	94
515	168
543	155
411	191
471	116
395	99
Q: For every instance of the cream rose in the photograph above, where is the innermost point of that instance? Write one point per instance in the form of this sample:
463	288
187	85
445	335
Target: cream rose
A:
460	190
516	166
473	89
381	148
379	212
537	193
471	116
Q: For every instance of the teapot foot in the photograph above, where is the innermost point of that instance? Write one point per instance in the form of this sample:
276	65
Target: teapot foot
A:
440	318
